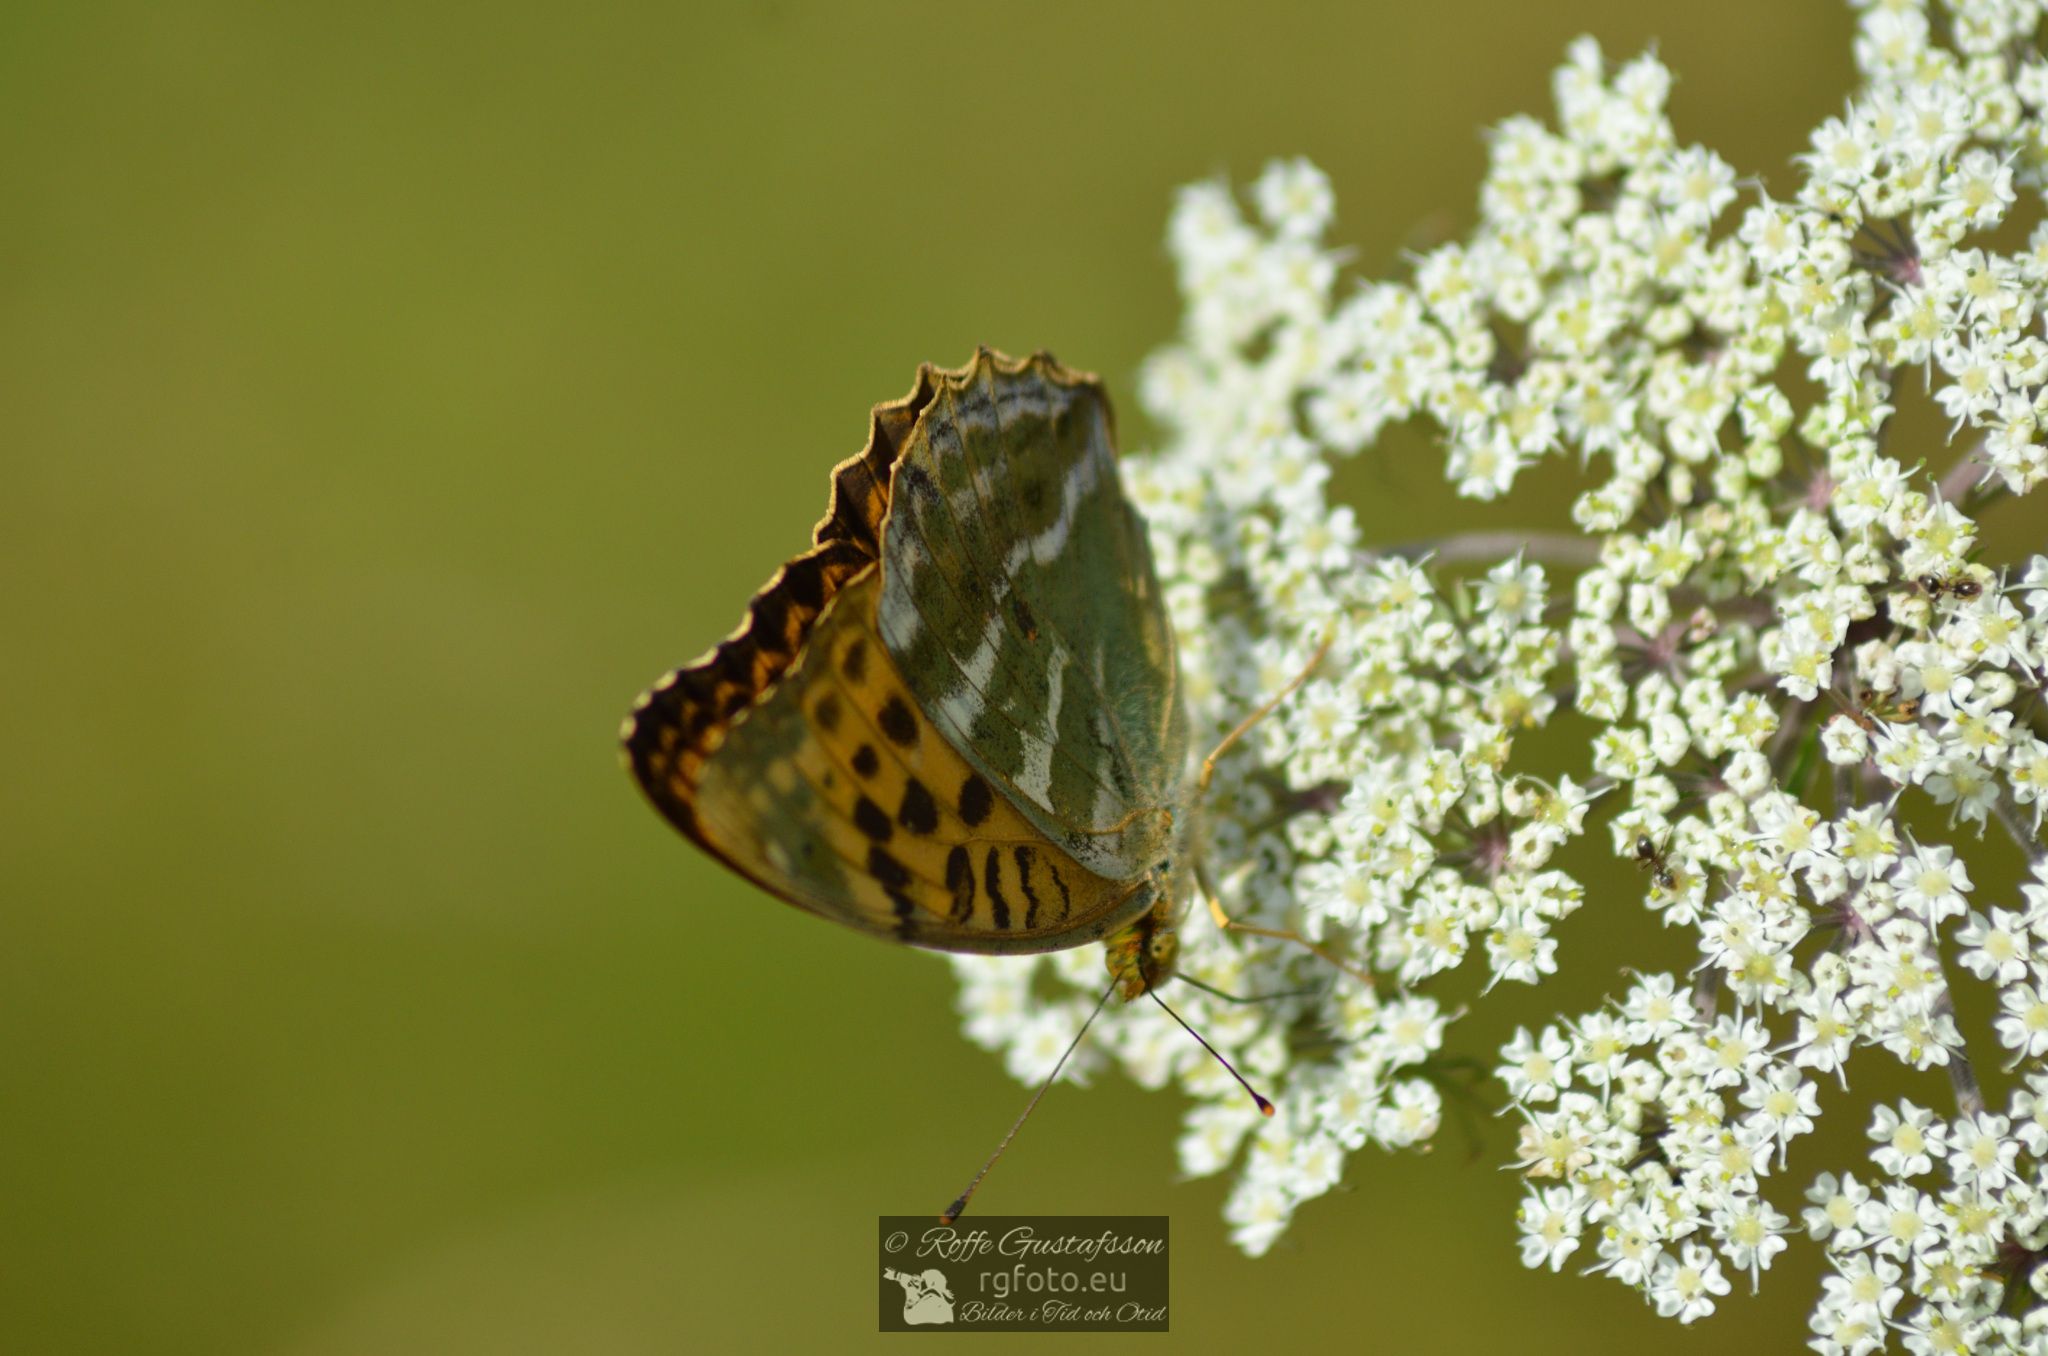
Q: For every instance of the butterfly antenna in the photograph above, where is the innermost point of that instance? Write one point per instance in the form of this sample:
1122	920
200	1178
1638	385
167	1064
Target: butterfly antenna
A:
959	1206
1245	725
1265	1107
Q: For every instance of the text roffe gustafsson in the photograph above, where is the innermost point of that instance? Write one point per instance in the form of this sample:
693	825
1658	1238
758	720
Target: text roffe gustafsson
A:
1103	1273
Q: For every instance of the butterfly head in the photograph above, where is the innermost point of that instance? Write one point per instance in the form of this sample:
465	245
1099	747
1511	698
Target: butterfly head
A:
1141	956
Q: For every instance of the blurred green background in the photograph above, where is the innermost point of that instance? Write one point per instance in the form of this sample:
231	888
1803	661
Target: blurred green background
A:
393	391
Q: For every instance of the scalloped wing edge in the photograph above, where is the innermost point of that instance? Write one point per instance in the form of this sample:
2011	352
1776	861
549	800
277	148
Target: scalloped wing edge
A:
679	722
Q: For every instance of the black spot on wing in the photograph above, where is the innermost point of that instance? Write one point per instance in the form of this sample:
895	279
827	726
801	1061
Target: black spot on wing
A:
976	800
893	874
919	813
906	928
960	881
897	722
770	610
869	819
804	578
854	663
865	762
1066	899
827	712
992	880
1023	855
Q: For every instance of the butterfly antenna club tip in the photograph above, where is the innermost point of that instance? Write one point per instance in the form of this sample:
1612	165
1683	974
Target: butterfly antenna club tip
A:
1265	1107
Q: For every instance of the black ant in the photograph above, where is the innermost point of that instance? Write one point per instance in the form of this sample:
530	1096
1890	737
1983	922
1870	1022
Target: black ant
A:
1651	858
1960	587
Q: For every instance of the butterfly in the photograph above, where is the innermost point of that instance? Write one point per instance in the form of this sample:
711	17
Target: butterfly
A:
955	721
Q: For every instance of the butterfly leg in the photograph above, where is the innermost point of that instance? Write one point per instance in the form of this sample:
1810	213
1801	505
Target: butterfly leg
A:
1228	924
1266	709
1223	920
1210	989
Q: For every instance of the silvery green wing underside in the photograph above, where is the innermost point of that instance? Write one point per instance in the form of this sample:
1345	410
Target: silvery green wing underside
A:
1019	601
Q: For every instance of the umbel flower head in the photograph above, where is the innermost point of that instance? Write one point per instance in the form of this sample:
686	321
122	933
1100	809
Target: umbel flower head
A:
1799	693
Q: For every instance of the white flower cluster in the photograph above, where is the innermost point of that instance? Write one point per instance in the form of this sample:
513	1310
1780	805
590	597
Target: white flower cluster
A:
1788	665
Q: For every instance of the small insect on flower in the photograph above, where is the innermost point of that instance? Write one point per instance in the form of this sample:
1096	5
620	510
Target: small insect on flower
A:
1960	587
1650	858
